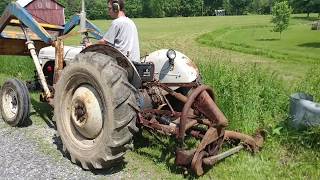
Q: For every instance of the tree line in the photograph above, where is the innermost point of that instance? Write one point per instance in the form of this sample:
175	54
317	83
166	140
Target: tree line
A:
97	9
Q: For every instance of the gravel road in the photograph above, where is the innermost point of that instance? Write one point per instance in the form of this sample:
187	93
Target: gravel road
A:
22	157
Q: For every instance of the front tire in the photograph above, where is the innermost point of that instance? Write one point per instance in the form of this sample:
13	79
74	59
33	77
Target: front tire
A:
95	111
14	102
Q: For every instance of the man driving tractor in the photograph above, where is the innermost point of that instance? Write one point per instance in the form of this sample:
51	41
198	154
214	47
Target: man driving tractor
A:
122	34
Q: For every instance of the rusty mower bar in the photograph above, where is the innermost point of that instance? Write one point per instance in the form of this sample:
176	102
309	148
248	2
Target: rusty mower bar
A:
199	111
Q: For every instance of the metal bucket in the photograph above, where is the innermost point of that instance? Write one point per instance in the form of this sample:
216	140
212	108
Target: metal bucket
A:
303	111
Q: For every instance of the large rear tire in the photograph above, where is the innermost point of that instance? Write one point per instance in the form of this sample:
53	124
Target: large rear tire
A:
95	111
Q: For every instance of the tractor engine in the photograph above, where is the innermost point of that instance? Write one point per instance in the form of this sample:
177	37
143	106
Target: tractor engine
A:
164	66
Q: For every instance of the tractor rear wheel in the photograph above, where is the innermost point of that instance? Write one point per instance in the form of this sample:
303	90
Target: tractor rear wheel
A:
14	102
95	111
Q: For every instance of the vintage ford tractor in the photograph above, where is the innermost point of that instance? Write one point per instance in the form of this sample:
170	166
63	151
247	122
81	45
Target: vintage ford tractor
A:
101	99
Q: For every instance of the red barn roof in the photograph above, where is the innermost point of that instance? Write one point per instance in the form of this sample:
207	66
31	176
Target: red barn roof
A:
25	3
45	11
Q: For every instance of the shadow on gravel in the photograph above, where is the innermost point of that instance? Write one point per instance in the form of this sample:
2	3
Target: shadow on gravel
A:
26	123
57	141
45	112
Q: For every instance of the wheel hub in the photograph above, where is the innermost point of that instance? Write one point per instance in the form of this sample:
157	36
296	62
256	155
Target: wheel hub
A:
86	112
10	103
80	113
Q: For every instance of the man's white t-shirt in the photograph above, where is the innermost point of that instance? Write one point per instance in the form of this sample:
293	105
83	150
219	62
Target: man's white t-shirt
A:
123	35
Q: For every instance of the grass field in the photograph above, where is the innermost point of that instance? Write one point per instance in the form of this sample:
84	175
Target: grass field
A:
298	43
253	74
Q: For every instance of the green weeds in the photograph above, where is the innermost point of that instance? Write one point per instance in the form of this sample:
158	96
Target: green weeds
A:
250	97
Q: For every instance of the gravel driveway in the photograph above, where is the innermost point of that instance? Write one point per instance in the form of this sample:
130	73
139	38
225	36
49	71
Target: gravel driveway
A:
21	157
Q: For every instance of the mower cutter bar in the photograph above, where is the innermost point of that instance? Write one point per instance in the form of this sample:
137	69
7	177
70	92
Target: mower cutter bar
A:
200	103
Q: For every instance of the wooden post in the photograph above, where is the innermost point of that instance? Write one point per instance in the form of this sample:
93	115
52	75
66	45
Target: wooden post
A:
58	67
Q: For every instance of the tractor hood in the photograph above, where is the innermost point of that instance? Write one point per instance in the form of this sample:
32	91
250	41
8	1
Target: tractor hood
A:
181	70
48	53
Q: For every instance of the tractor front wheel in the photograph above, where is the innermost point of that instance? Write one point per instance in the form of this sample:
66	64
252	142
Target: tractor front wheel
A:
14	102
95	111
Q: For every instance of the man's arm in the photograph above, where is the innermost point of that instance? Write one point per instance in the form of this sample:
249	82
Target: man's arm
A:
101	41
109	36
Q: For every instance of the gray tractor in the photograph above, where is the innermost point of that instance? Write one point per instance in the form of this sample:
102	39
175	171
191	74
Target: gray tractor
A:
101	99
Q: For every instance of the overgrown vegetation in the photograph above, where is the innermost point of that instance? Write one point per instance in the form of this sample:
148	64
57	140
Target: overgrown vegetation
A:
311	83
250	97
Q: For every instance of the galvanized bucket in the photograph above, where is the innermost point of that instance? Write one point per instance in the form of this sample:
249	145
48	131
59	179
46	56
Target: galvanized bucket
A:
303	111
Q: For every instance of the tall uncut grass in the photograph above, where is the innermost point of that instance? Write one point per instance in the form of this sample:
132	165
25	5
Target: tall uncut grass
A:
309	137
311	83
250	97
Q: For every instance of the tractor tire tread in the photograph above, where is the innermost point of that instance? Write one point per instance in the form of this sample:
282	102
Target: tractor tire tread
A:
124	118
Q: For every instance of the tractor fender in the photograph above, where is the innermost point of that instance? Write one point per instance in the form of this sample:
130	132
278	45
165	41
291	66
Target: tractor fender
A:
122	60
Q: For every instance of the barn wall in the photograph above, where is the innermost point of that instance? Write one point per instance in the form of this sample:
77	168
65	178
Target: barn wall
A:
47	11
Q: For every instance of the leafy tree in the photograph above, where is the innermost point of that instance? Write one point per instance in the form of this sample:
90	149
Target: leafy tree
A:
72	7
134	8
240	7
96	9
157	8
260	6
236	7
281	12
172	8
3	5
307	6
211	5
227	7
191	7
313	7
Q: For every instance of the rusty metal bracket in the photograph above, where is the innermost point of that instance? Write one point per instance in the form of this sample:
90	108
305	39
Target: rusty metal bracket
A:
202	119
211	136
202	99
210	161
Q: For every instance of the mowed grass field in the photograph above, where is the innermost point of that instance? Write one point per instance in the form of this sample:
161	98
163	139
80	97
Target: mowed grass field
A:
253	74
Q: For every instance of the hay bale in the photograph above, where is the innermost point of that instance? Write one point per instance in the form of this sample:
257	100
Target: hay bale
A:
316	25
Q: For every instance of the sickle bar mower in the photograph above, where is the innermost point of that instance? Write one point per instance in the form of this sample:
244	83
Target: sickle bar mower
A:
100	97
